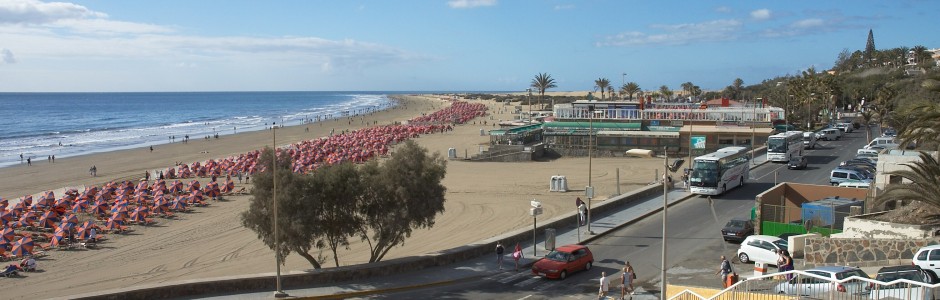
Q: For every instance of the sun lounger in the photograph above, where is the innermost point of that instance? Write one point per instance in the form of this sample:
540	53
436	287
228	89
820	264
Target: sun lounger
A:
9	273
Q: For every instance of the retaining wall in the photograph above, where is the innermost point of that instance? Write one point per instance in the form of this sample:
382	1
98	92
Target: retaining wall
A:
861	252
299	279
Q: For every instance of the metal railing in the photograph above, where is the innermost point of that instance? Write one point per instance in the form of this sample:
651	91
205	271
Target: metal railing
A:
800	284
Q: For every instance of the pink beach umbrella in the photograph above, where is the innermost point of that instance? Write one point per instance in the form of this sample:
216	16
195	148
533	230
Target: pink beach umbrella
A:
22	247
47	220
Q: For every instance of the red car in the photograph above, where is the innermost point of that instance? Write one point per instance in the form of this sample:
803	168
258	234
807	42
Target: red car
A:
564	260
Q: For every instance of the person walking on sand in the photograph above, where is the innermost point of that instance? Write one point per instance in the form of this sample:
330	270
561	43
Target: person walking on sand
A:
604	286
151	149
239	176
29	161
499	254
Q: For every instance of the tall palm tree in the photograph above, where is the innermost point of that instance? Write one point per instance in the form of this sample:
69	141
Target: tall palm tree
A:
542	82
687	87
924	128
664	90
602	84
610	91
630	88
924	186
920	54
867	116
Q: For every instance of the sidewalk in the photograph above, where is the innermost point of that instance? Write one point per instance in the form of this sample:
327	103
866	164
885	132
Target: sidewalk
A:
485	266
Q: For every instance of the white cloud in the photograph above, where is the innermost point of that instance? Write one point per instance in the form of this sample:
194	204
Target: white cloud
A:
6	56
677	34
808	23
760	14
564	6
36	12
470	3
723	9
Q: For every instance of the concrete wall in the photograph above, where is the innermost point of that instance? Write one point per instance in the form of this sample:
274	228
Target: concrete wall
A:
863	227
861	252
297	279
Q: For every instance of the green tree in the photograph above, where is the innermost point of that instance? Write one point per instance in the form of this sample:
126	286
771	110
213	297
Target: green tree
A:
920	54
687	87
665	92
630	88
870	48
296	233
333	192
542	82
736	86
602	84
400	195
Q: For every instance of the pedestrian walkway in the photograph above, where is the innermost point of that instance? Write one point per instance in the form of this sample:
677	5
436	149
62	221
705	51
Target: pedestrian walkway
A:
485	267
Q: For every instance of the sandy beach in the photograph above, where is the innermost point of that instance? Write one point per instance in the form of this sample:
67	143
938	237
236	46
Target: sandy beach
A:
483	200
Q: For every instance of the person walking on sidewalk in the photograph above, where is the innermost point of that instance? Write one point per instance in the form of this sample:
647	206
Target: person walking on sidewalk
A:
626	280
582	213
604	286
516	255
499	253
724	270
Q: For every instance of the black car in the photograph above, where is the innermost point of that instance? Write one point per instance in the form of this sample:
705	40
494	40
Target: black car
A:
902	290
797	162
737	230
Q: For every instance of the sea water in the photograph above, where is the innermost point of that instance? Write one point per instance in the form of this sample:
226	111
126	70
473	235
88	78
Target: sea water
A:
38	125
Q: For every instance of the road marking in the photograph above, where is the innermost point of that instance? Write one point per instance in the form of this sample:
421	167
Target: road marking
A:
526	297
528	282
547	285
512	278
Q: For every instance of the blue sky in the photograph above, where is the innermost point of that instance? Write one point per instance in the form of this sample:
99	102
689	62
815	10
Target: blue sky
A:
459	45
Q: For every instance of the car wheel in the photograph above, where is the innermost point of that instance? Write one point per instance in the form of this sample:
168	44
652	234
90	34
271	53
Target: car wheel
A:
587	266
743	258
563	275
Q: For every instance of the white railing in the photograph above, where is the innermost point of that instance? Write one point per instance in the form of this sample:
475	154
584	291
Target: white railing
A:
727	114
802	285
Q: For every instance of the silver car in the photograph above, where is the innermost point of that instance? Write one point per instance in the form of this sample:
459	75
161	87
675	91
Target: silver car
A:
817	288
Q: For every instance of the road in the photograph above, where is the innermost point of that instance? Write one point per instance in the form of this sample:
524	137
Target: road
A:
693	232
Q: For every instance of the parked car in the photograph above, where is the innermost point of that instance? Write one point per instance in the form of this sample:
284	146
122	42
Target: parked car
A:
855	184
737	230
564	260
819	288
890	132
928	258
797	163
846	173
854	162
903	290
830	134
880	141
761	248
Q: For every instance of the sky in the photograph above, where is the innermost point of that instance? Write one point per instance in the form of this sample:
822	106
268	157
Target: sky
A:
444	45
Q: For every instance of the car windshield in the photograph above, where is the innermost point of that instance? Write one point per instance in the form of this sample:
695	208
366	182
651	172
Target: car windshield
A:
850	273
781	243
737	223
558	256
795	159
912	275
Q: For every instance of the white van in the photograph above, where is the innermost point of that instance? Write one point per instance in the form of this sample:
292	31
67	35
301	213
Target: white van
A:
867	151
830	134
881	141
809	140
855	184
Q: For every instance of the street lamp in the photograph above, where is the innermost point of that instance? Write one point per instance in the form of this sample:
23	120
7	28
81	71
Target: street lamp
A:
279	293
623	82
529	91
753	124
589	190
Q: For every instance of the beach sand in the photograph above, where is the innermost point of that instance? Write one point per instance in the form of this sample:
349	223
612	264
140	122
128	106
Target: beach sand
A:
484	199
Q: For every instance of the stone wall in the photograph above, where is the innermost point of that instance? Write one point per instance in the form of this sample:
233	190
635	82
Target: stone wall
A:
861	252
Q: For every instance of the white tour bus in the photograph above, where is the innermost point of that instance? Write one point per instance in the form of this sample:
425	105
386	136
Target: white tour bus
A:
715	173
782	146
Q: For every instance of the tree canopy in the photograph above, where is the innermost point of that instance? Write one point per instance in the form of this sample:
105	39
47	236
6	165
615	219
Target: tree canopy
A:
381	203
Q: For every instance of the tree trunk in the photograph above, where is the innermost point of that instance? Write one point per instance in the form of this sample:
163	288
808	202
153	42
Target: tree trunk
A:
310	258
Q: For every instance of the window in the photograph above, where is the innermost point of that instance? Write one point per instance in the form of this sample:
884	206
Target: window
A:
839	175
922	255
934	255
894	179
852	176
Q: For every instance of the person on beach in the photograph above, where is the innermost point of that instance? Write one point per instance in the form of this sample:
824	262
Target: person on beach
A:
499	254
151	149
53	158
239	176
29	161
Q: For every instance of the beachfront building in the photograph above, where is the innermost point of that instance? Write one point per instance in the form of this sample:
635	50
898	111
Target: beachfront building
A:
676	127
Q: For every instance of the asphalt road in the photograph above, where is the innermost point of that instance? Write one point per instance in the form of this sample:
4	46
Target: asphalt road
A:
694	240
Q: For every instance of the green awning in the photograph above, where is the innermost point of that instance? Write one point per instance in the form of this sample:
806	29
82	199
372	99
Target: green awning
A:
596	125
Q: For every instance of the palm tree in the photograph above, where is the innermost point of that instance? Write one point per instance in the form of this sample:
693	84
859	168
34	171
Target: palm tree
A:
924	127
602	84
920	54
630	88
687	87
664	90
610	91
737	85
924	186
542	82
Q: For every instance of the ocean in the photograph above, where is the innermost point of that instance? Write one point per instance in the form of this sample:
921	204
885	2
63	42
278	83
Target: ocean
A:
37	125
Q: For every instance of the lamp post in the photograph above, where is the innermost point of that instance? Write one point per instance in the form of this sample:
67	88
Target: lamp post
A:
753	124
589	190
809	110
529	92
623	82
662	282
279	293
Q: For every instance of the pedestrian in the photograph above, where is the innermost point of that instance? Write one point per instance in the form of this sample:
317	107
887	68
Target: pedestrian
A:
517	255
577	202
21	157
151	149
161	175
239	176
725	270
53	158
94	171
499	254
247	177
582	214
29	161
146	175
630	275
604	286
787	262
49	158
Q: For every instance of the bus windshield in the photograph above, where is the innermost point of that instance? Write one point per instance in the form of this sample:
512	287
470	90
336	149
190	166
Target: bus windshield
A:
704	173
777	145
